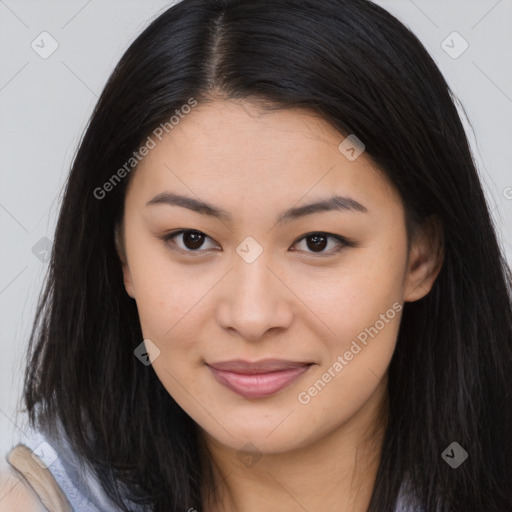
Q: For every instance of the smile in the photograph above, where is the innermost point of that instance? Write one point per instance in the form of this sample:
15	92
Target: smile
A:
259	379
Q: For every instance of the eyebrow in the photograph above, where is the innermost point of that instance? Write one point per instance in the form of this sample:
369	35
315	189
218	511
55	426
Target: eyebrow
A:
339	203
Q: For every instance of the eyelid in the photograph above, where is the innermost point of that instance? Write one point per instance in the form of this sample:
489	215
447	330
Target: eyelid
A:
343	241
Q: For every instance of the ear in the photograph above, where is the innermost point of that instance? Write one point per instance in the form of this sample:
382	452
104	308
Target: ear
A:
119	243
426	257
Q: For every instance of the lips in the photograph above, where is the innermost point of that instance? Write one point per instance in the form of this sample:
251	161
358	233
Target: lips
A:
257	379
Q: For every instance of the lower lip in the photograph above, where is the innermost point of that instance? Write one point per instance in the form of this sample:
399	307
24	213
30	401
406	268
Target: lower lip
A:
258	385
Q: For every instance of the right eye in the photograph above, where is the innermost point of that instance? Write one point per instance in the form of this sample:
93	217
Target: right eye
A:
191	240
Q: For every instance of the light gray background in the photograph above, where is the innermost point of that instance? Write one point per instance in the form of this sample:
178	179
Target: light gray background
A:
45	104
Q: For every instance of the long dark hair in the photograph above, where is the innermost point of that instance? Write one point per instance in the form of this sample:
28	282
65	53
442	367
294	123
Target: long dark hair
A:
360	69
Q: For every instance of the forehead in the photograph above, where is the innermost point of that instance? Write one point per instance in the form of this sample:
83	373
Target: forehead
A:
238	152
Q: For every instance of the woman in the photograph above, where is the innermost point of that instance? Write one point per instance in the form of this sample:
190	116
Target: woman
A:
275	283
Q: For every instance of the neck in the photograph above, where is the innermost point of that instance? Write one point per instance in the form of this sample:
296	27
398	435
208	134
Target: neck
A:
334	472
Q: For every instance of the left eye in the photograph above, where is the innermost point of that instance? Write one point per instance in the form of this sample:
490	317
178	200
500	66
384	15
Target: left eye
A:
317	242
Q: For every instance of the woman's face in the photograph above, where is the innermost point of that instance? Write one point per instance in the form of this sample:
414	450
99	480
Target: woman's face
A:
247	284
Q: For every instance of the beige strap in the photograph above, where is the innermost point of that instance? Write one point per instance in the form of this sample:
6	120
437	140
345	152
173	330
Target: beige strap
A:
39	478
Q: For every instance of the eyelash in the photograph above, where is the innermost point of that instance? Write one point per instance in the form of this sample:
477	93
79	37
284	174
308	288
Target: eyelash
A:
344	242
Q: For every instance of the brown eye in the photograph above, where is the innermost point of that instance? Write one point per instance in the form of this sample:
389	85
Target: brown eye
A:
318	242
191	240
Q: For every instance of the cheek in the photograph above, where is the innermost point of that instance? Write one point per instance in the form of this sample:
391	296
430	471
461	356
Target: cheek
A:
352	296
175	308
354	364
163	292
166	307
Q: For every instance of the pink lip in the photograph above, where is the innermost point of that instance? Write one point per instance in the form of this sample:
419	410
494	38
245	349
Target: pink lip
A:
258	379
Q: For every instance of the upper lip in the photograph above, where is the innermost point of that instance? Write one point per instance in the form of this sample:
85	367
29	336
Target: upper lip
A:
262	366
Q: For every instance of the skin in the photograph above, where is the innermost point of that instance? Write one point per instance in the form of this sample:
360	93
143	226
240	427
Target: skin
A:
290	303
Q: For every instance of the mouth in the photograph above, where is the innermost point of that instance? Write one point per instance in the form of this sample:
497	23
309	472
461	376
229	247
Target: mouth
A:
258	379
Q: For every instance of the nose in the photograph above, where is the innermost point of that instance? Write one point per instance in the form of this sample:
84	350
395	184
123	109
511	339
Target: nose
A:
254	300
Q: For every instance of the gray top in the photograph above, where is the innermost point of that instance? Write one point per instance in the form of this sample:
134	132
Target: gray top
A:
79	483
75	478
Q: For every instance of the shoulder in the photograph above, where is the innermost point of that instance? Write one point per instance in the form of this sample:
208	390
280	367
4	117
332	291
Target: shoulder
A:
55	475
16	494
52	471
29	481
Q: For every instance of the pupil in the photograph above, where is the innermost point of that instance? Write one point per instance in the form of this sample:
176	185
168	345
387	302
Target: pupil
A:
193	239
319	242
